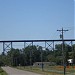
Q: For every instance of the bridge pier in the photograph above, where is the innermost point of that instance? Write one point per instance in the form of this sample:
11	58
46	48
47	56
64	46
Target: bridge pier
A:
7	46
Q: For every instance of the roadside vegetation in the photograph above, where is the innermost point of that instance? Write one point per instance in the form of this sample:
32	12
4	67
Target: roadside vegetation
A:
52	70
2	72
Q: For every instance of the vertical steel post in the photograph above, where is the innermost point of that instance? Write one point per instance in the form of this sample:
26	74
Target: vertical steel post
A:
53	48
3	48
45	45
11	45
24	45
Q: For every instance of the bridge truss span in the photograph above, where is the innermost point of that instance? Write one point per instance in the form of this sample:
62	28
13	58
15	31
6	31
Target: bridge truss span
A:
50	44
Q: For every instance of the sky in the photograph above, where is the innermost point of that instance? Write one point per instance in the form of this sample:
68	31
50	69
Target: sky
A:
36	19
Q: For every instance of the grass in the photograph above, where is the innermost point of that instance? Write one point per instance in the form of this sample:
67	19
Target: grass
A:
52	70
2	72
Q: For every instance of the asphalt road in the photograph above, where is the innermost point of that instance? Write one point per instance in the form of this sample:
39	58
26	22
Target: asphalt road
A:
13	71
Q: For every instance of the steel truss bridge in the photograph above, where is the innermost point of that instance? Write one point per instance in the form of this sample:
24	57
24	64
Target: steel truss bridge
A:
7	45
50	44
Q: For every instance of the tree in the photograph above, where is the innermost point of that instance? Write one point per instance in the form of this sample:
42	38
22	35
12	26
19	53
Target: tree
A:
73	56
31	54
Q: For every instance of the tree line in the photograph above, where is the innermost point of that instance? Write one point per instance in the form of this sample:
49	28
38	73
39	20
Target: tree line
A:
31	54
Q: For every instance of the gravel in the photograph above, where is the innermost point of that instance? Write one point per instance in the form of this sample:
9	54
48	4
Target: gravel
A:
13	71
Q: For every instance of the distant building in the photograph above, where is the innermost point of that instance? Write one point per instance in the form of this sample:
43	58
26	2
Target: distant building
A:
45	64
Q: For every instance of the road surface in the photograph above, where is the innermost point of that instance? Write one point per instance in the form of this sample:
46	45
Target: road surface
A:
13	71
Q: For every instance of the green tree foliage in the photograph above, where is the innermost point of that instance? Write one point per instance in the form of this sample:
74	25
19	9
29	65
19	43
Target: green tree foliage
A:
32	54
73	53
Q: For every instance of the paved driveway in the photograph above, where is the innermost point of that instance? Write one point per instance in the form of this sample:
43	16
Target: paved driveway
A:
13	71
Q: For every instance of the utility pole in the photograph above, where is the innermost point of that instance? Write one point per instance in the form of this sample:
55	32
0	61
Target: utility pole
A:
62	36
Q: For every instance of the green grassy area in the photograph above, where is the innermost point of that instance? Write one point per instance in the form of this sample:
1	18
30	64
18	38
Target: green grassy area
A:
52	70
2	72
